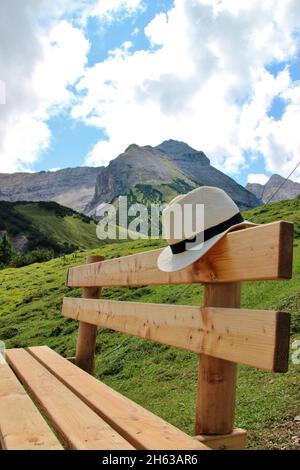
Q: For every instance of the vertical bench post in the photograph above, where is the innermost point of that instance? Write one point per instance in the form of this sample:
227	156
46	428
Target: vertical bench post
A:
86	340
216	377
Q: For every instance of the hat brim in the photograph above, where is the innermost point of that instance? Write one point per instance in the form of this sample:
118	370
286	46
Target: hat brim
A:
168	262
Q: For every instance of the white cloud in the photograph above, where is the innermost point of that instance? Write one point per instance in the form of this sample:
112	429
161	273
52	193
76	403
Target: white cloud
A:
53	170
107	11
37	65
280	140
2	92
41	59
107	8
65	55
277	140
25	139
204	81
135	32
258	178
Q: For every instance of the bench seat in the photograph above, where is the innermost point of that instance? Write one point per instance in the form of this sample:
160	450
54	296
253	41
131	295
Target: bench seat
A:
81	411
48	402
21	424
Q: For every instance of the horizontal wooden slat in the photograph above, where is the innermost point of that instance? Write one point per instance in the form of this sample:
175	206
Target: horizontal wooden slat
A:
75	422
257	338
263	252
22	427
140	427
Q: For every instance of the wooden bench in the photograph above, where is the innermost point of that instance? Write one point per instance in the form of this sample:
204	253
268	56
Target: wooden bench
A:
47	402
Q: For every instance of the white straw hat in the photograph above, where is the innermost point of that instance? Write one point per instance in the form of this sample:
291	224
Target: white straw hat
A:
193	223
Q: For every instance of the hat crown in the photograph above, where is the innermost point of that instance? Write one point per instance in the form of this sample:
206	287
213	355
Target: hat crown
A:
192	213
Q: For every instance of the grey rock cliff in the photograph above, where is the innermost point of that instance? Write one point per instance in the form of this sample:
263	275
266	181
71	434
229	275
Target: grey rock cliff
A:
289	190
163	164
71	187
86	189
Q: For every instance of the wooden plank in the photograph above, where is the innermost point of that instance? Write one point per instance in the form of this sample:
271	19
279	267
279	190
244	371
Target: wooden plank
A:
250	337
216	390
87	333
79	427
263	252
233	441
21	425
285	263
140	427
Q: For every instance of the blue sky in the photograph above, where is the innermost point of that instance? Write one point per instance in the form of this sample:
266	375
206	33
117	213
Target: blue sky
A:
73	140
98	75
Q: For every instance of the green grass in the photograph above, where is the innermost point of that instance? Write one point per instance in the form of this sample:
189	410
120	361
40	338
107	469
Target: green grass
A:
284	210
48	225
160	378
72	228
157	194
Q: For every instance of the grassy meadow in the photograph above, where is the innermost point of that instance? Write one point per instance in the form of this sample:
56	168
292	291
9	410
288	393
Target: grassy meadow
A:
47	225
161	378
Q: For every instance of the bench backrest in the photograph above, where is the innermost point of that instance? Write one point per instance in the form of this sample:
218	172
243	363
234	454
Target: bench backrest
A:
219	331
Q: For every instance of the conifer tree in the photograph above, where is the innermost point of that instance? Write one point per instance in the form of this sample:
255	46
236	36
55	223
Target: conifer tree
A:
6	250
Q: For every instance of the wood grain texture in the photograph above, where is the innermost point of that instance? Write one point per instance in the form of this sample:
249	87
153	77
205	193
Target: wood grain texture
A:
87	333
79	427
252	337
216	389
233	441
263	252
22	427
140	427
285	264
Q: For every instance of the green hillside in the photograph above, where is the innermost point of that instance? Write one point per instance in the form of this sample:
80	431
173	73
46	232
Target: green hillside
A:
283	210
30	305
157	194
48	226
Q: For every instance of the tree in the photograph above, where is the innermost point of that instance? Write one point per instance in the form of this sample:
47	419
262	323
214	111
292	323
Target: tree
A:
6	250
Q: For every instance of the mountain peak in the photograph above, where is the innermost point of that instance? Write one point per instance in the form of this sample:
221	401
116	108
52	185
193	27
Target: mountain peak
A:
177	150
282	192
153	174
132	147
276	178
171	168
174	146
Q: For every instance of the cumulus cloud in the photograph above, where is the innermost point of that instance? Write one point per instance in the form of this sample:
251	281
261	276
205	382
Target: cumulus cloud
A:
258	178
204	80
106	9
2	92
20	49
42	56
279	140
37	65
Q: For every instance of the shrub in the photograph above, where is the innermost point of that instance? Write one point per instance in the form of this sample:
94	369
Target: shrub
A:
6	250
34	256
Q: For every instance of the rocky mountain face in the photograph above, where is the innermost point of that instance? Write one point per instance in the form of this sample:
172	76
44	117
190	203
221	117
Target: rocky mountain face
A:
71	187
171	166
289	190
145	174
